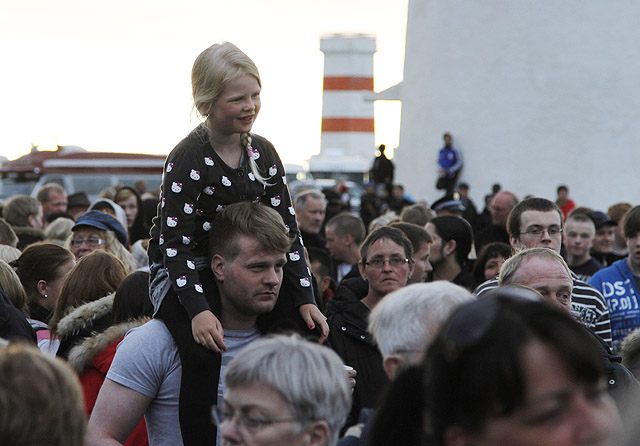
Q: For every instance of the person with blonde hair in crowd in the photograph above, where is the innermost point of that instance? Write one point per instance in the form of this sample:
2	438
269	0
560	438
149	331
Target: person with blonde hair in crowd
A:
9	253
85	303
8	236
97	230
40	400
218	164
59	230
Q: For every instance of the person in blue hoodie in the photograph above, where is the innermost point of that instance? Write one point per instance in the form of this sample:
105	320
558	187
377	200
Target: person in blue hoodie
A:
449	165
620	282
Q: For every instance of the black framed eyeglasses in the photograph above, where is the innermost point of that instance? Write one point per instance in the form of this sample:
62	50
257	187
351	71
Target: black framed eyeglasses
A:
537	232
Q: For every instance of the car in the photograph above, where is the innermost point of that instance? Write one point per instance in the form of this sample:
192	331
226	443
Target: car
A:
78	170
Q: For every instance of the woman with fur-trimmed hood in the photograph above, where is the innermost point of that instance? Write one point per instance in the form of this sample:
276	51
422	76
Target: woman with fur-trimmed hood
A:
85	303
92	357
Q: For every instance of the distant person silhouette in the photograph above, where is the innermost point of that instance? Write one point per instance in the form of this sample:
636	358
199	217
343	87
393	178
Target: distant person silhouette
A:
382	171
449	165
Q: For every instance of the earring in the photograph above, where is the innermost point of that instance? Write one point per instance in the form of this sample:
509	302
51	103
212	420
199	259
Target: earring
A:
45	296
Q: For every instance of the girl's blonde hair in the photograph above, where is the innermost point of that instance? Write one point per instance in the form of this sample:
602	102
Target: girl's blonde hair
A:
10	284
213	68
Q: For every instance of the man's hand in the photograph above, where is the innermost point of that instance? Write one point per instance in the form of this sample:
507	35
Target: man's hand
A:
207	331
312	315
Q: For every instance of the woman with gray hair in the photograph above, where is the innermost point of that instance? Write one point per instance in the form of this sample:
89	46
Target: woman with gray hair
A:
269	401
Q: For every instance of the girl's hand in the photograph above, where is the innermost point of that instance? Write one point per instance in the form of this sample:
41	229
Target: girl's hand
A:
312	315
352	376
207	331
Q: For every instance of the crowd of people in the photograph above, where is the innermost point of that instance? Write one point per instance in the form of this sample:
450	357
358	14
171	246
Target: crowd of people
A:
234	313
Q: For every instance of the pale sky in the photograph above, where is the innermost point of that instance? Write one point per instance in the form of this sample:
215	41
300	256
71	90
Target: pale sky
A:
115	76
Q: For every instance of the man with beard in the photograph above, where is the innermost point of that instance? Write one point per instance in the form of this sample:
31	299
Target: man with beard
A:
452	239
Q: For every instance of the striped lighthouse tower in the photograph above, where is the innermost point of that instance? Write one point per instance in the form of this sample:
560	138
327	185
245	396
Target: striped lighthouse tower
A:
347	118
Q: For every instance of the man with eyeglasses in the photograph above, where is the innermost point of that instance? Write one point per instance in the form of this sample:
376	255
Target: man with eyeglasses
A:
386	264
537	223
248	243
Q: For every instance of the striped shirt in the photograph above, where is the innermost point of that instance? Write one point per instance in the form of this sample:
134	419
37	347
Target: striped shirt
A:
587	305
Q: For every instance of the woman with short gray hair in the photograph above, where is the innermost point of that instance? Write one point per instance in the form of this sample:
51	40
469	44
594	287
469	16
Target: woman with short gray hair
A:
284	390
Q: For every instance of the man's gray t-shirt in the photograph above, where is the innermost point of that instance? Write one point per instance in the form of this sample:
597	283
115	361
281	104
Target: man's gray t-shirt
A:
235	340
147	361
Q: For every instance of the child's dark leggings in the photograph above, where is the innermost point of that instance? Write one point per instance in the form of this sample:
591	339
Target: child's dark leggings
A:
200	367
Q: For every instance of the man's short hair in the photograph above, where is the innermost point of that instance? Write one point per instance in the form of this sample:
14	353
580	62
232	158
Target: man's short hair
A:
252	220
617	211
529	204
417	235
417	213
44	193
386	232
300	200
41	399
7	234
578	216
320	256
631	222
408	319
562	188
322	392
512	264
347	223
18	210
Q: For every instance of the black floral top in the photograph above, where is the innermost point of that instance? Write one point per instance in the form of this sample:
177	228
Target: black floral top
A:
196	185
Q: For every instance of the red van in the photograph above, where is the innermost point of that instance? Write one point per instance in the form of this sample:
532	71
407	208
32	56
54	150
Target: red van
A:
78	171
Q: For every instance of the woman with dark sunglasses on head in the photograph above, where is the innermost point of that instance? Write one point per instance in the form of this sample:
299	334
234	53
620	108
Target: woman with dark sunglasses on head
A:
513	370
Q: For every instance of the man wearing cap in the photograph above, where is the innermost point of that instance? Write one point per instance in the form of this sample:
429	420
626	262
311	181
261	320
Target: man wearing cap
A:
448	205
620	282
501	205
77	204
602	249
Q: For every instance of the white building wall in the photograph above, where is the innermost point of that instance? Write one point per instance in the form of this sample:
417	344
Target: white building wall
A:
535	94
